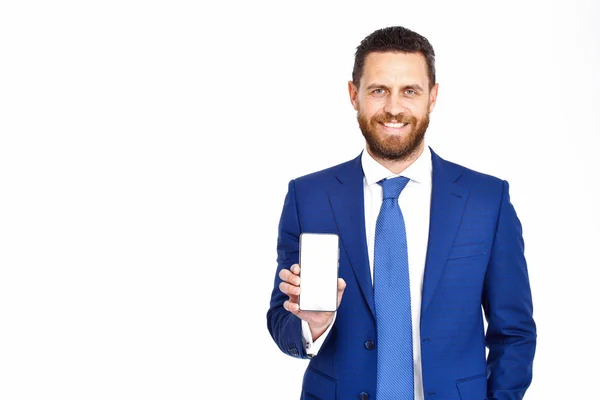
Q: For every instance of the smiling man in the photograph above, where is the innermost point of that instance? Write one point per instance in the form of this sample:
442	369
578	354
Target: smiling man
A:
428	248
393	97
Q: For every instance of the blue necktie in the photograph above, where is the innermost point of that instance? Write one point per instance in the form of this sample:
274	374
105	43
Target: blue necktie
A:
395	375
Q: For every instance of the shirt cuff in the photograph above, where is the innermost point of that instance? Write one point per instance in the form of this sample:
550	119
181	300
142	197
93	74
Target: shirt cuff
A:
312	348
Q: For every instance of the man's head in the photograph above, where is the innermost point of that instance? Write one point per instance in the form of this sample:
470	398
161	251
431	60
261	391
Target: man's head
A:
393	90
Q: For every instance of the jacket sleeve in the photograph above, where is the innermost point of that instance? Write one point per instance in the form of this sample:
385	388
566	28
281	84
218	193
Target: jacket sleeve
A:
285	328
508	307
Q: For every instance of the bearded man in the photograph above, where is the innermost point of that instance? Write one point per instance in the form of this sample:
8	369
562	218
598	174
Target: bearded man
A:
428	248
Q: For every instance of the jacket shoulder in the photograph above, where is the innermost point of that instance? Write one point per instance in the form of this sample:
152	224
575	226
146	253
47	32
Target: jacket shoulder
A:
466	175
325	175
478	177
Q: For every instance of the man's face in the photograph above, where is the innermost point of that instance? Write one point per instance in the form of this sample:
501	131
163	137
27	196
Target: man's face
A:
393	103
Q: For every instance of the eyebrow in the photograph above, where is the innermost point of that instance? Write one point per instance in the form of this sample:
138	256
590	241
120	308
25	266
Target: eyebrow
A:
378	86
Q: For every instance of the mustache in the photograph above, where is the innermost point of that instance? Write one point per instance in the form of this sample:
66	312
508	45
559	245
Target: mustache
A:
401	118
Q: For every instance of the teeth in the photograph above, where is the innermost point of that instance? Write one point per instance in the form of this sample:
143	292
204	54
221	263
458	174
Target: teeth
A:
394	125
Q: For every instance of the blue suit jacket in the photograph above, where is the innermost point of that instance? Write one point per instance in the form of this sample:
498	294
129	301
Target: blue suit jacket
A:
475	258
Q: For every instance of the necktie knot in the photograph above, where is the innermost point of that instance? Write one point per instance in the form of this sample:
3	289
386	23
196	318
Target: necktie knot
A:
392	187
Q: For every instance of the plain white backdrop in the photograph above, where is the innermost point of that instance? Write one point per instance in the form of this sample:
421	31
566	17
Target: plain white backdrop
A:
145	151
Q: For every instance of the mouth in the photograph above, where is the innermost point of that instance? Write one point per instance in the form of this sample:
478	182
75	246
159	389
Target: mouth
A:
394	127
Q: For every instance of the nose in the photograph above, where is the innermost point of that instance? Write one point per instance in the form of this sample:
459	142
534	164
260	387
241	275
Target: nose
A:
394	105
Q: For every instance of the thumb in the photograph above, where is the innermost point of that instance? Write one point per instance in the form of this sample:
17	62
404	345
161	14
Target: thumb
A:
341	285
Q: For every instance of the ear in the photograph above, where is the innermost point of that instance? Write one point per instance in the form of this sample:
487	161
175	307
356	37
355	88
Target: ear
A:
353	92
433	96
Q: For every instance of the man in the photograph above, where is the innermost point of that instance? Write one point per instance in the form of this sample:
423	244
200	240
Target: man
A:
425	245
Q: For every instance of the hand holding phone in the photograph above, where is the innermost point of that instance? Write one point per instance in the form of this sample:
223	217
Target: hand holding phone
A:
318	321
294	286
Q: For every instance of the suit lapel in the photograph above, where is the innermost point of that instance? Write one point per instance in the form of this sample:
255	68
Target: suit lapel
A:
347	203
448	200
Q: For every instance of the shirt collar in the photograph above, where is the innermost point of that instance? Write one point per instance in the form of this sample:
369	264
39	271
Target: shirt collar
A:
419	171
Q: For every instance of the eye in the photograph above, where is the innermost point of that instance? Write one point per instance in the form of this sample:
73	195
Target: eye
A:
378	92
410	92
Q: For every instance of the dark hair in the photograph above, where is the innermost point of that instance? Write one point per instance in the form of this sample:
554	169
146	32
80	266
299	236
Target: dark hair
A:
393	39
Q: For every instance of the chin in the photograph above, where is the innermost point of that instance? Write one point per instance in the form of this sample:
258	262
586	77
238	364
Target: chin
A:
396	148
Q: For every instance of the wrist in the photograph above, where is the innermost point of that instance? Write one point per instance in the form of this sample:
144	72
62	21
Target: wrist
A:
316	330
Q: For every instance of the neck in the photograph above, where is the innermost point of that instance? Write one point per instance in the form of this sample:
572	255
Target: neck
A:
397	166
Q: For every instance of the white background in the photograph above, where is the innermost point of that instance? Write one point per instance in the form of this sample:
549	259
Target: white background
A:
145	150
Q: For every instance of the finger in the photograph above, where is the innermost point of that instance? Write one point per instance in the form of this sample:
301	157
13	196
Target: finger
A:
295	269
341	287
283	274
288	289
289	277
291	307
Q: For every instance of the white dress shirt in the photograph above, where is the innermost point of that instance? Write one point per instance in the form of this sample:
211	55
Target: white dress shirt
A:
415	203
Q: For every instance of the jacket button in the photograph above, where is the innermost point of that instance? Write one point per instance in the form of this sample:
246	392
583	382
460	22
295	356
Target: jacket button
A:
364	396
369	345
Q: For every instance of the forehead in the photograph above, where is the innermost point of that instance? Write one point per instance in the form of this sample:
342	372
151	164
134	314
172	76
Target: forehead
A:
395	67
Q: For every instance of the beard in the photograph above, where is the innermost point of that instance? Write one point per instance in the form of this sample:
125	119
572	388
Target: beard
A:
393	147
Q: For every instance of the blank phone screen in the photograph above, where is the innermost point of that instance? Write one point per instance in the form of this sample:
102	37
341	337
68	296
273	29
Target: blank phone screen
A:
319	253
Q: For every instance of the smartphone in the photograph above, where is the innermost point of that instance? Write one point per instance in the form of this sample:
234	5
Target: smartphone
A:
319	262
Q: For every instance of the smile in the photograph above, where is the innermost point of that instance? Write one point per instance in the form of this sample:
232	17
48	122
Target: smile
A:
394	126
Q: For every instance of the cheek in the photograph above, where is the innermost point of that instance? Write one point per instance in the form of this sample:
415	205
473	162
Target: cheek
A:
418	110
375	107
368	109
